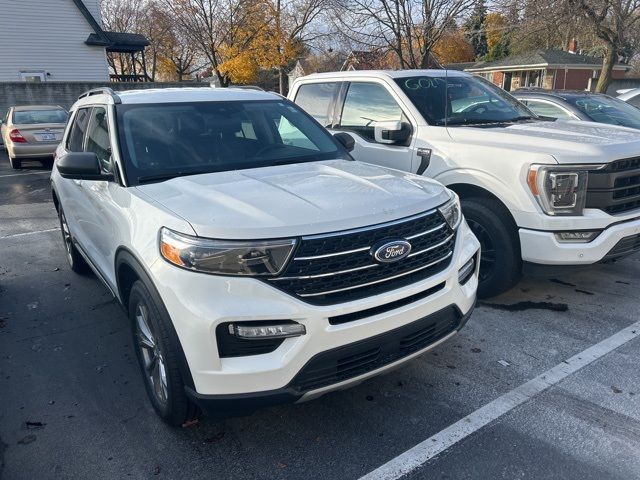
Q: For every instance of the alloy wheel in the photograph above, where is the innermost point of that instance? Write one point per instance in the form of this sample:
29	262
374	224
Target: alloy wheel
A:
151	353
488	255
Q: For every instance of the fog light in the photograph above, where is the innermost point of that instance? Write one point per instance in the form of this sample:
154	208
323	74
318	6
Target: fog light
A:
577	237
267	331
467	271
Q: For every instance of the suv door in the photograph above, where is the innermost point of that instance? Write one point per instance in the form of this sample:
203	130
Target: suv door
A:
98	216
355	108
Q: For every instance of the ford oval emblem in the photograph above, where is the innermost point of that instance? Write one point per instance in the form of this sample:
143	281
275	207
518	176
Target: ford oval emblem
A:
391	251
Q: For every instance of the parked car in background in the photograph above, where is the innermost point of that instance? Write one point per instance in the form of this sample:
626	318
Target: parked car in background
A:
538	193
258	263
579	105
630	95
32	132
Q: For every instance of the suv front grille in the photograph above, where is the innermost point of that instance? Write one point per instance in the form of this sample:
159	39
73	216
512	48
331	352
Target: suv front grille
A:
616	188
338	267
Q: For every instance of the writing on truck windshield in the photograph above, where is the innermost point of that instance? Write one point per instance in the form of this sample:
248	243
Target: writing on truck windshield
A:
457	100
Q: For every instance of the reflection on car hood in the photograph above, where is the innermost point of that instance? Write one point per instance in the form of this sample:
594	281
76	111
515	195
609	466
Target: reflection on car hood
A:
297	199
567	142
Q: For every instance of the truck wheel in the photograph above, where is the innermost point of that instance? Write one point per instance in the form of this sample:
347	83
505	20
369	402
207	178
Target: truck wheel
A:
16	164
76	261
500	262
158	356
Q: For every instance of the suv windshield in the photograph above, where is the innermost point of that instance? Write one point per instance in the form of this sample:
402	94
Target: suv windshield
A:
32	117
458	100
165	140
604	109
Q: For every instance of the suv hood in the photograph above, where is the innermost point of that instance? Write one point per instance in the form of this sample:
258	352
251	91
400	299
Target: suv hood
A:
567	142
294	200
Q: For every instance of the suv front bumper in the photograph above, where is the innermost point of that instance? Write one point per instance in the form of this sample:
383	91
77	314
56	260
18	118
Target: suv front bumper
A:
198	303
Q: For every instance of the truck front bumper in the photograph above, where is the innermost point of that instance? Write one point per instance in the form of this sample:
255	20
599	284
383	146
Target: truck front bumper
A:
616	241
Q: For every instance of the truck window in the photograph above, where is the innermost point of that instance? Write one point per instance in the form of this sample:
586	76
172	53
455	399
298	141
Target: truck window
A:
366	104
316	99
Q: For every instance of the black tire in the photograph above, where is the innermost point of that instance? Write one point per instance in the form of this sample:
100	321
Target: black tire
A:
167	392
76	261
501	262
16	163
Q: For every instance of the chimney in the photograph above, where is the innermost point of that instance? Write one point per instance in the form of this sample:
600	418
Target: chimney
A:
572	46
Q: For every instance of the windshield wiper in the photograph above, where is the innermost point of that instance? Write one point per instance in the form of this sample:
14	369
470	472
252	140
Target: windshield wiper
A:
168	176
520	118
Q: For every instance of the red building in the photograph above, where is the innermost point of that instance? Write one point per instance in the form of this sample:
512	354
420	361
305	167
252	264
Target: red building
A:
549	69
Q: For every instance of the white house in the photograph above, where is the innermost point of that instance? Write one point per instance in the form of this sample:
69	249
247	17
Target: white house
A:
58	40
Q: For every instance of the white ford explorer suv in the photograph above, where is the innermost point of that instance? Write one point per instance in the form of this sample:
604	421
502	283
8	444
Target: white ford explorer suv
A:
258	263
537	193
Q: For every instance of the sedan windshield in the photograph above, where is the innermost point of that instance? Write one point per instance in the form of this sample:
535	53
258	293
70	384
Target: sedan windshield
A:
461	100
604	109
162	141
32	117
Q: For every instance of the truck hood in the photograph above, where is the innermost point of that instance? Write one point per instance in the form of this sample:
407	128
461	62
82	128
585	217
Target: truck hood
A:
567	142
294	200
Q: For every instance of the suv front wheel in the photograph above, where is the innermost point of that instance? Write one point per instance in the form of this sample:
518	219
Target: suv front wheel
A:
158	357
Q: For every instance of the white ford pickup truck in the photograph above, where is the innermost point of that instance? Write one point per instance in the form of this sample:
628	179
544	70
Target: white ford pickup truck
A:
536	192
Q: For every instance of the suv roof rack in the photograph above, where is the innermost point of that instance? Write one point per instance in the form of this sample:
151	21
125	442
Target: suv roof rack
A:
102	90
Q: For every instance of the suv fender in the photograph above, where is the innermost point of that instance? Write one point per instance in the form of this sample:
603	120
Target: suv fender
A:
129	269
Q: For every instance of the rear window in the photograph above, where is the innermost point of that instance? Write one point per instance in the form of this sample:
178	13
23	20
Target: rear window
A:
32	117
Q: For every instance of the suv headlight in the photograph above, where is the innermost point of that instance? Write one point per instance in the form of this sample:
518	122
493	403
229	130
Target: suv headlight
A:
560	190
451	211
225	257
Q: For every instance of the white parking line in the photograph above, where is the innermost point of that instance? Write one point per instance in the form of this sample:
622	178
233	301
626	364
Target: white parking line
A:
30	233
25	173
441	441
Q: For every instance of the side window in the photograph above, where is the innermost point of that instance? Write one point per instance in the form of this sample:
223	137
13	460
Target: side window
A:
291	135
78	129
98	137
316	99
547	109
635	101
366	104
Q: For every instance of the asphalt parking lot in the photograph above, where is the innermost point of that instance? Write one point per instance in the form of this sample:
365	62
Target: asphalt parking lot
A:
72	403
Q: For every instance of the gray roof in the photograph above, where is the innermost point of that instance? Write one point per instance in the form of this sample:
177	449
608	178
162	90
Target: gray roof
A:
460	65
539	57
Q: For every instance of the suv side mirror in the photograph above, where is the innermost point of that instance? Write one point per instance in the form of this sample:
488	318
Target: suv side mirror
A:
391	132
346	140
81	166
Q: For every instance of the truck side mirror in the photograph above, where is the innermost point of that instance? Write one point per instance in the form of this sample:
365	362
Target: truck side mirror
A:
391	132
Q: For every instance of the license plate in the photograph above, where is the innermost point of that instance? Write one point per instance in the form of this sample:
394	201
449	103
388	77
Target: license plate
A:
47	137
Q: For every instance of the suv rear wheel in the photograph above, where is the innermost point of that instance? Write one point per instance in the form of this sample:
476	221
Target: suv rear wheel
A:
158	357
500	262
76	261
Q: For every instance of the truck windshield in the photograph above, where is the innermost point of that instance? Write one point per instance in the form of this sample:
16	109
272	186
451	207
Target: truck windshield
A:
165	140
604	109
462	100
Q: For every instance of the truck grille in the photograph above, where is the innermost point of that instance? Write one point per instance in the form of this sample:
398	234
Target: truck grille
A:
338	267
616	188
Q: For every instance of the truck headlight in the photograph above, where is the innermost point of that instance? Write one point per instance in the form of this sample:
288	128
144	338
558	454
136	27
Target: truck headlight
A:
225	257
560	190
451	211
